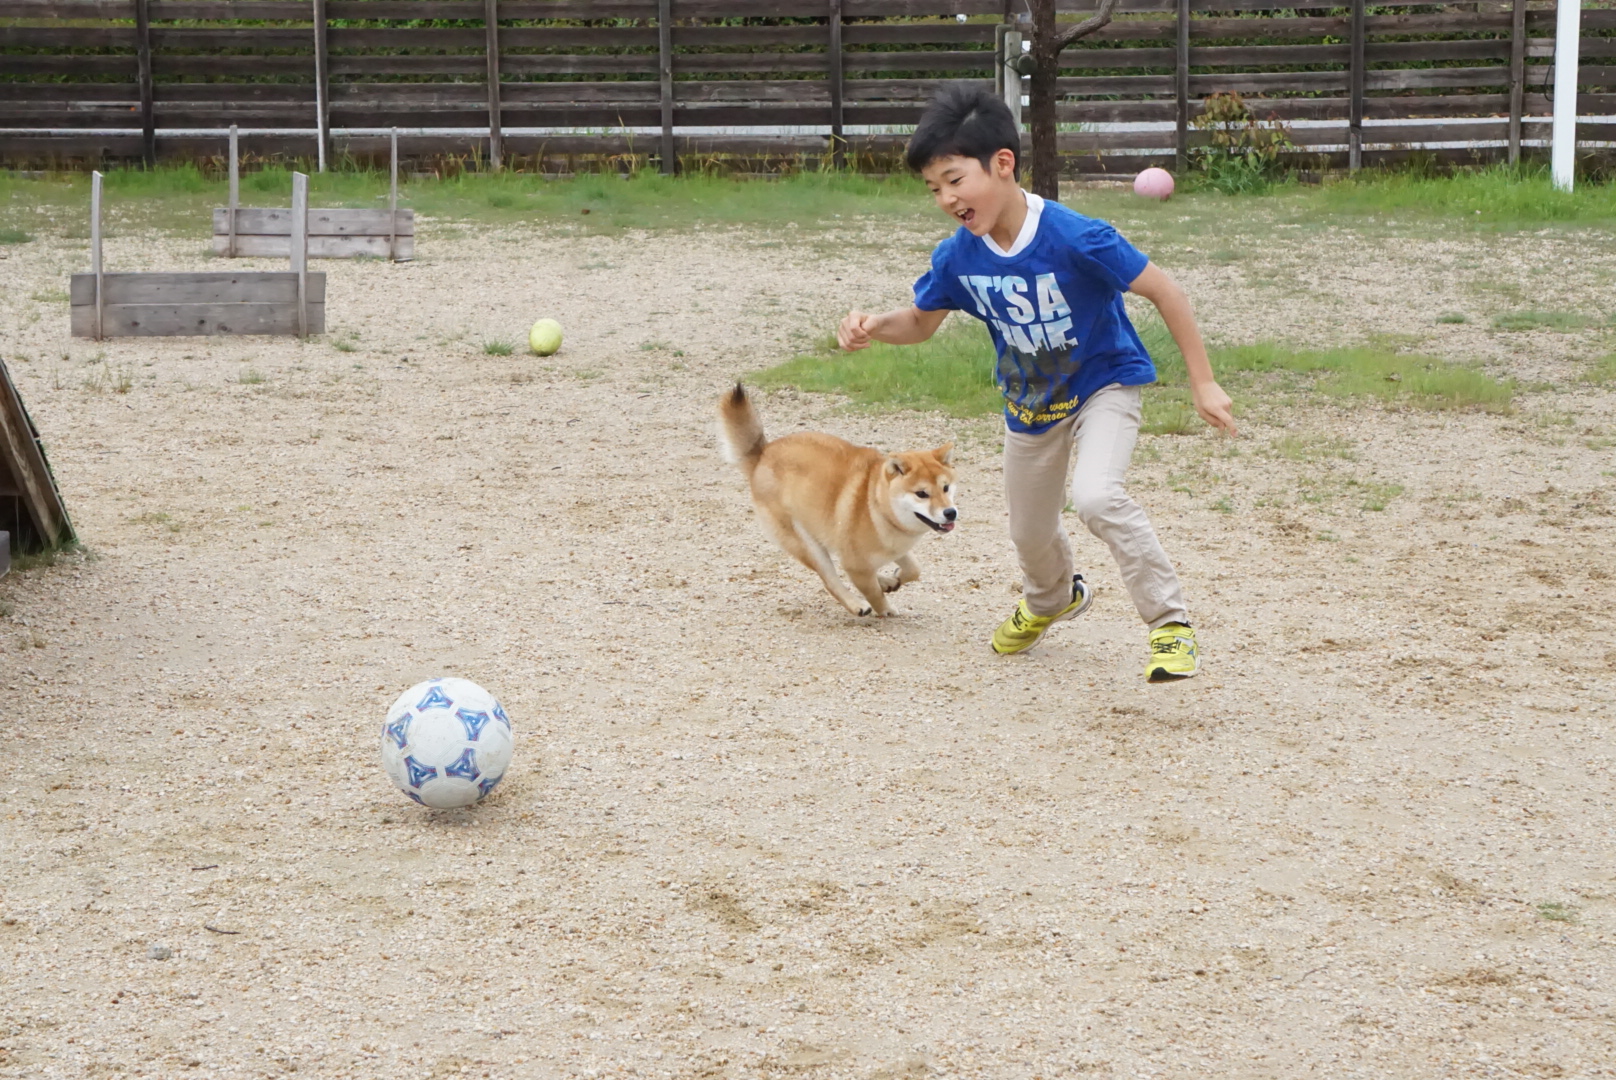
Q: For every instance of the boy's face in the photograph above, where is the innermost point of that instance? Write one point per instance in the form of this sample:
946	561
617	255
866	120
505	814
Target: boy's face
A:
970	194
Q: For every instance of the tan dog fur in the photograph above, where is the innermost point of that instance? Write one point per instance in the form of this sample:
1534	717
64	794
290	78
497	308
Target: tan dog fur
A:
820	496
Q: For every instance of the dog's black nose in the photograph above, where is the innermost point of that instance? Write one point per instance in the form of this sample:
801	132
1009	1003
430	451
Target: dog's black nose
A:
950	514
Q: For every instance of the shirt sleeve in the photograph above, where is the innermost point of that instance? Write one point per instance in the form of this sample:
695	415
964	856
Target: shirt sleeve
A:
934	288
1105	253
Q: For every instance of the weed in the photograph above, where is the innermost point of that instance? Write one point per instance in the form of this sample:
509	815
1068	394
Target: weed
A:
1601	371
1555	911
1542	320
1453	317
654	346
498	348
251	377
1243	154
1376	496
34	560
14	236
344	345
54	296
1224	505
1313	448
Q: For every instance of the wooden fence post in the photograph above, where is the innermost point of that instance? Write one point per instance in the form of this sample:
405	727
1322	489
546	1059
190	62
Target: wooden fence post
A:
838	143
143	61
496	136
670	162
95	245
1517	80
1355	89
322	83
1182	87
300	248
235	194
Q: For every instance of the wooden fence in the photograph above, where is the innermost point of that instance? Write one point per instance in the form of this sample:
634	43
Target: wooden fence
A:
108	79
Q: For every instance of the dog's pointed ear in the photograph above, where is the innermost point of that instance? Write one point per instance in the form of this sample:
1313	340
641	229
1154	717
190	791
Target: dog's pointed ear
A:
943	452
895	467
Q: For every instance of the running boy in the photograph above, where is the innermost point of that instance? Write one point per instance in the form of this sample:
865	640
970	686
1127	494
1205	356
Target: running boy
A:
1049	283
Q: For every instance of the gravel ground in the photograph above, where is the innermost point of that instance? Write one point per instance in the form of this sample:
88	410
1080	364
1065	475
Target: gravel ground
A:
745	834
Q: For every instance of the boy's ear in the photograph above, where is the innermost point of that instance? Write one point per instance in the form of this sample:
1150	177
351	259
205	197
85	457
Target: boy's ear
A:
943	452
1004	162
895	467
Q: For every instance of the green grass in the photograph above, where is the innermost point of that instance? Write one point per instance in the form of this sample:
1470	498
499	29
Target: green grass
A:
1494	197
1452	317
251	377
1542	320
498	348
11	235
953	373
1601	371
1555	911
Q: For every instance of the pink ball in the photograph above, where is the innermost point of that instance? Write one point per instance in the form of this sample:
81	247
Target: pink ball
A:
1153	183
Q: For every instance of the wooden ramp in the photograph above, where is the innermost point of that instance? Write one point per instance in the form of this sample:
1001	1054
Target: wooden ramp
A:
332	234
31	507
162	305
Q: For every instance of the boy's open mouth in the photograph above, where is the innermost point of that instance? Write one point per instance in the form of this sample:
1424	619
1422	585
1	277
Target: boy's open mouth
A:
966	217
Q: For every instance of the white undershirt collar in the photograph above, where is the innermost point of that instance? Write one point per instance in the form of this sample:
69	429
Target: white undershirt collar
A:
1029	229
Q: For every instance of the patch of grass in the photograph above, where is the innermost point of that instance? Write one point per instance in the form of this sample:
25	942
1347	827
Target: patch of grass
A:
344	345
33	560
1555	911
53	296
1601	371
1376	496
1410	379
1498	197
251	377
952	373
1313	448
12	235
1453	317
1563	321
498	348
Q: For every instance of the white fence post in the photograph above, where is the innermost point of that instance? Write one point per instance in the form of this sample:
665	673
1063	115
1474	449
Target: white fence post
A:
1567	30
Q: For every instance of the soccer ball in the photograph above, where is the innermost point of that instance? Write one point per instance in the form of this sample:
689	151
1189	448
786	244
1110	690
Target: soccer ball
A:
446	743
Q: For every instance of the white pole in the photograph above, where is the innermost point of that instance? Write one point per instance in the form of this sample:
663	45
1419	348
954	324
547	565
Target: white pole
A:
392	204
300	248
235	192
95	245
1567	30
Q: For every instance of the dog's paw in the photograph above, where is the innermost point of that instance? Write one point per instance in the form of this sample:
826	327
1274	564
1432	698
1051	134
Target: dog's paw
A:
864	611
890	581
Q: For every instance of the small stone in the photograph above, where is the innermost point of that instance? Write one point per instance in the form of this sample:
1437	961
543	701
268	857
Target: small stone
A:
158	952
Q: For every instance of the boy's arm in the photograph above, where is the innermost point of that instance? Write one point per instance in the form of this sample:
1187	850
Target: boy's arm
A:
1210	401
901	326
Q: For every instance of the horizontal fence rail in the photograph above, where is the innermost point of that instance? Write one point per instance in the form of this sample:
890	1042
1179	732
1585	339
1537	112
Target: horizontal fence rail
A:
93	80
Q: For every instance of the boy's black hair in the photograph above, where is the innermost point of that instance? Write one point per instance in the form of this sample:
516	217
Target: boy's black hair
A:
964	121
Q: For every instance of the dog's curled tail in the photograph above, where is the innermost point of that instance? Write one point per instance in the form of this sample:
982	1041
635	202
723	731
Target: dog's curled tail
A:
740	431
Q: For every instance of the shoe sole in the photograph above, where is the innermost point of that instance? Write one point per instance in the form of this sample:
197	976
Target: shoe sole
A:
1162	675
1065	616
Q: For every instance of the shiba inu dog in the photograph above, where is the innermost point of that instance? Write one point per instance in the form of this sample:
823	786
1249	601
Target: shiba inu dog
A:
820	496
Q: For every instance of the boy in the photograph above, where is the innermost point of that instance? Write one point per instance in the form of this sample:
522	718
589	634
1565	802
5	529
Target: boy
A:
1049	283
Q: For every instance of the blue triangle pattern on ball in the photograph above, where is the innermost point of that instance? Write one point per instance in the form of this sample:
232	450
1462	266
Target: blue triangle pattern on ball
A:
435	699
419	774
465	767
474	722
399	730
486	784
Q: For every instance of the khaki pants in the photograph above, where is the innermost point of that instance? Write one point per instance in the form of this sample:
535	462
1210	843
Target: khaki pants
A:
1105	430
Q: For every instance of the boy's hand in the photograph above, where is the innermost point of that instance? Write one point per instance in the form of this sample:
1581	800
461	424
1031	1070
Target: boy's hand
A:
854	332
1214	406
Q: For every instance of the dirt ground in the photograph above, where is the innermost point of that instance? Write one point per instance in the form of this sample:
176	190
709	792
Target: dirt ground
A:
745	834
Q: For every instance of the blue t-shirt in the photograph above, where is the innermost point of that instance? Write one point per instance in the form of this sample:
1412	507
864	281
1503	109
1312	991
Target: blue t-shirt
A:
1054	309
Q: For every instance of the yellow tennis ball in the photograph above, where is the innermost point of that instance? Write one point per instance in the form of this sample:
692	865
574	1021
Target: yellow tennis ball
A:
545	337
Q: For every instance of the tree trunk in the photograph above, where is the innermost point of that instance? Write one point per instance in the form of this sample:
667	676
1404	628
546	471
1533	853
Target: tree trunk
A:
1045	155
1048	39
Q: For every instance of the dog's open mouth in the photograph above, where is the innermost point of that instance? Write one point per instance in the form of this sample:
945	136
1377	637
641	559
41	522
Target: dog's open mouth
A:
937	526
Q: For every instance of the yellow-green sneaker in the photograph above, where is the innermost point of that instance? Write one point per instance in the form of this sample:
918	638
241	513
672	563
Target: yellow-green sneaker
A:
1173	654
1022	630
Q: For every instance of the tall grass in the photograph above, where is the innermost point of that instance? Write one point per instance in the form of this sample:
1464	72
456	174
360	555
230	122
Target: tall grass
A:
1498	197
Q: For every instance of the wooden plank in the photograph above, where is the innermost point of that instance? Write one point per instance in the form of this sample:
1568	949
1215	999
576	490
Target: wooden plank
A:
837	76
327	247
232	211
97	277
664	16
191	320
24	459
205	287
322	84
337	221
495	129
300	248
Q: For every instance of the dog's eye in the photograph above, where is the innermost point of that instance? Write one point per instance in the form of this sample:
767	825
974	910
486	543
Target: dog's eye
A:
945	489
922	494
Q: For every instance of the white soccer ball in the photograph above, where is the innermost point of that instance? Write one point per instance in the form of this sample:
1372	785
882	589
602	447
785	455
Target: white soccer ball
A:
446	743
